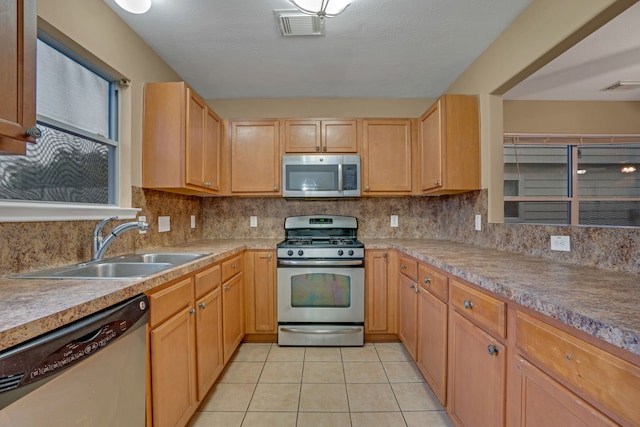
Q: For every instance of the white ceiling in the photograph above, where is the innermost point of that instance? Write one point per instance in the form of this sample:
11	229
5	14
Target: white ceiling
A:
375	49
610	54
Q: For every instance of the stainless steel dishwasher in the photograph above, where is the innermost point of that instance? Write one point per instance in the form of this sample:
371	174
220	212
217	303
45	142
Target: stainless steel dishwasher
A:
91	372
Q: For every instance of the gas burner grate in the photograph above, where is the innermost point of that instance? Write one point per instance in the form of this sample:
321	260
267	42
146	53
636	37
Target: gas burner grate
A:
341	241
299	241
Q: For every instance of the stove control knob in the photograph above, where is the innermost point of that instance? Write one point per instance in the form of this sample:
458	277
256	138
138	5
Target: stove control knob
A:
351	252
300	252
289	252
340	252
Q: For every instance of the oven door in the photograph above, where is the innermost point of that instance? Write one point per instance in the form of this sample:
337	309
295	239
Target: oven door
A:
332	292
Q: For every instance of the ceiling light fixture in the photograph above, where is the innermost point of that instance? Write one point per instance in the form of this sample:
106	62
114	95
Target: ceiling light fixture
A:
628	169
135	6
321	8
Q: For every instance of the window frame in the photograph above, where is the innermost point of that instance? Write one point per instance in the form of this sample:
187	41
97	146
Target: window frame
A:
37	211
572	143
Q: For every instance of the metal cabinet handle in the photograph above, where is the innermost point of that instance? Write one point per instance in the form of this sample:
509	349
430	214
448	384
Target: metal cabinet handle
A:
324	148
202	305
227	288
269	256
317	148
436	182
404	266
192	311
492	350
416	289
412	286
385	255
275	188
468	304
366	188
34	132
427	280
207	184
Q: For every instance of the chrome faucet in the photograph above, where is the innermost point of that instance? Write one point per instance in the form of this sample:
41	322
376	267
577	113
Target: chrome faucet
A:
100	244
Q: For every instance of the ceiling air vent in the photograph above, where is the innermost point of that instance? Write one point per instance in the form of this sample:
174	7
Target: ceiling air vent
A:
295	23
623	85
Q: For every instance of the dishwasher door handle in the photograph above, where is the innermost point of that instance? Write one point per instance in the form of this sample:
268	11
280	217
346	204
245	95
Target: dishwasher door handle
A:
341	331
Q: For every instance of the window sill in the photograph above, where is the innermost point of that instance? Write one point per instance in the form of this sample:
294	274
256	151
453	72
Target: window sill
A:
41	211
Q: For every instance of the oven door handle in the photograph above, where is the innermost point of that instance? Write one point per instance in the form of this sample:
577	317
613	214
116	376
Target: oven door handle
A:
322	263
341	331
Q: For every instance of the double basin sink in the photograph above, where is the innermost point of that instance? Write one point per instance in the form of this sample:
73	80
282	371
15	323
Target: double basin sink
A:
130	266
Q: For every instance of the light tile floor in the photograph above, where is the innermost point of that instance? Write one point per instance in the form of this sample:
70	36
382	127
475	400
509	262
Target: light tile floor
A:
267	385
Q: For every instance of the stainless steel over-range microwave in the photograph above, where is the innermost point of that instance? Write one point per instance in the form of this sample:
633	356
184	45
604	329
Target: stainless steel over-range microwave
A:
317	176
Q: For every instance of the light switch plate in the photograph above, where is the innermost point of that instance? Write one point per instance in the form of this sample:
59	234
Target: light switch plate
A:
478	224
193	221
561	243
394	220
253	221
164	224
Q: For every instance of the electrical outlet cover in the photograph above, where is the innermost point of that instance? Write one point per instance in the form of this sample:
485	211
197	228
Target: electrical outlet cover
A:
561	243
164	224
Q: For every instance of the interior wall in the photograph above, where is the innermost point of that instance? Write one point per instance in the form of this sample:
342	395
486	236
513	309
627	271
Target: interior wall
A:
572	117
319	107
542	32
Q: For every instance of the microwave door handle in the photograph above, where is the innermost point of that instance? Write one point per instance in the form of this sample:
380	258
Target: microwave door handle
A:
339	176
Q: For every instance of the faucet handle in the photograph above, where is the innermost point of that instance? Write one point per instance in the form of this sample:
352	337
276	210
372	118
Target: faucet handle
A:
143	225
98	230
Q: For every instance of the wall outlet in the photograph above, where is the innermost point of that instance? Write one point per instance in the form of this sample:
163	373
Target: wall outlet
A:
394	220
164	224
478	223
193	221
143	219
561	243
253	221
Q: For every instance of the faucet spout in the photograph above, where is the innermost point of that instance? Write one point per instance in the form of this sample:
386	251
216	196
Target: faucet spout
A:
100	244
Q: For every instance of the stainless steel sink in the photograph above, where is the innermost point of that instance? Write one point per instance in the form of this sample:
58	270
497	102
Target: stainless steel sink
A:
171	258
130	266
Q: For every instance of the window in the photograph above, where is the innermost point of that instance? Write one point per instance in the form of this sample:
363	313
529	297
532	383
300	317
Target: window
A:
573	181
75	159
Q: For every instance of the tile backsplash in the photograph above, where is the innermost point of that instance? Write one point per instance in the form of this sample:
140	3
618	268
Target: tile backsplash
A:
31	246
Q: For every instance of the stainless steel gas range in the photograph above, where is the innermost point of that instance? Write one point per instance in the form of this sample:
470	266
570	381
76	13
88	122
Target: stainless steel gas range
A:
321	282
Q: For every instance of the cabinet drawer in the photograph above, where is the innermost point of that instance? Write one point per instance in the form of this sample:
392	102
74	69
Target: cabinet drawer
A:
207	280
611	381
231	267
409	267
479	307
168	301
433	281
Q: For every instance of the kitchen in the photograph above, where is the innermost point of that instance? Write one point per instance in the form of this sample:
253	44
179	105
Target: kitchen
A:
226	218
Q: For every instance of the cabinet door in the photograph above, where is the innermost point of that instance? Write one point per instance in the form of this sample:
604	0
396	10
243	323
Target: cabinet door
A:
302	136
209	340
432	342
387	156
233	315
477	376
379	304
431	148
173	385
544	402
195	139
255	157
340	136
17	74
212	150
260	295
408	331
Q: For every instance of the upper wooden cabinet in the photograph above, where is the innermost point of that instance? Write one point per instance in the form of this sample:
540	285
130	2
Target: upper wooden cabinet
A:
449	146
18	28
386	156
181	143
255	157
320	136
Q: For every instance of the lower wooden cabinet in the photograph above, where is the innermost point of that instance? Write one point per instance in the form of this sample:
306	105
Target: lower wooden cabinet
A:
208	308
432	342
260	293
477	375
173	354
408	307
233	315
380	295
545	402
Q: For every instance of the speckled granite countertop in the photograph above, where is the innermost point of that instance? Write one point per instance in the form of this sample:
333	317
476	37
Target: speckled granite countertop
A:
599	302
30	307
